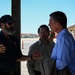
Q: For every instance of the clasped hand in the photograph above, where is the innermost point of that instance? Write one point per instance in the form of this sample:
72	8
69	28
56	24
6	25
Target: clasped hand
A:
2	48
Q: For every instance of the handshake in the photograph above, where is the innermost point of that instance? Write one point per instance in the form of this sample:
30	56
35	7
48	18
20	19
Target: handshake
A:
36	55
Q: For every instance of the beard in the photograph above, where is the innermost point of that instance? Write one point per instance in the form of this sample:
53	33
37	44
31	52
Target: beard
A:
43	38
9	31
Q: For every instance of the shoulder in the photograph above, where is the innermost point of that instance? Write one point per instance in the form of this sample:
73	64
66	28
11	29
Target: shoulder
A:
33	48
35	44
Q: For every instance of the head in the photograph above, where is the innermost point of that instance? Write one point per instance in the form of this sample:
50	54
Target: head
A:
43	32
7	24
57	21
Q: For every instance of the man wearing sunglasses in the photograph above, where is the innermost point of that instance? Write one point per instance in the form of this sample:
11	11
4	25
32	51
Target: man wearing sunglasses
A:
10	47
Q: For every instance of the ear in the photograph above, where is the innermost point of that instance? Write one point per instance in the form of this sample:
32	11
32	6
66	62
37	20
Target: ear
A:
57	24
2	24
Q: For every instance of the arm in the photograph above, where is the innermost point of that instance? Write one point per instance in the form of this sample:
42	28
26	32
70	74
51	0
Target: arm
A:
61	53
30	67
35	55
24	58
32	54
30	63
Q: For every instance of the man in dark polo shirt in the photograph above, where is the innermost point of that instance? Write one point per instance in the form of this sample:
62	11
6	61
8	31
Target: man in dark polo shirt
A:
10	47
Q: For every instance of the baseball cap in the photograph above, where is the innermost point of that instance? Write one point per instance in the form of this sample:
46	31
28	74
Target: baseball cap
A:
6	19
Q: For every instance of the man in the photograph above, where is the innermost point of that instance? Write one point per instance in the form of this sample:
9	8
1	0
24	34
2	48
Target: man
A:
41	66
64	49
9	47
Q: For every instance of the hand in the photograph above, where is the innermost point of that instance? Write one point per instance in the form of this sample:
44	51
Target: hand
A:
37	55
2	48
24	58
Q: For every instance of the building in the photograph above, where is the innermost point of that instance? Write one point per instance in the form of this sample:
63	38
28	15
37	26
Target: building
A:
72	30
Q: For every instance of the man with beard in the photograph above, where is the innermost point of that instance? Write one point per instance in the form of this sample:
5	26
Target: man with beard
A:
10	47
41	66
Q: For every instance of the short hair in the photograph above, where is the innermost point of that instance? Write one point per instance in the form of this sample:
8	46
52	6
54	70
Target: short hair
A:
59	17
43	26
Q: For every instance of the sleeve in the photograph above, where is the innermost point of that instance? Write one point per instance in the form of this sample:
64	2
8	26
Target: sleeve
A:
61	53
30	63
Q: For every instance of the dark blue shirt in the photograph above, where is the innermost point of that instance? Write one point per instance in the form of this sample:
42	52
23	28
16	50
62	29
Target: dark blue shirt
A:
13	52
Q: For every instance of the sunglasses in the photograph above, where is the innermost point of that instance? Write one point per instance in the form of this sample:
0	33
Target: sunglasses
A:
10	23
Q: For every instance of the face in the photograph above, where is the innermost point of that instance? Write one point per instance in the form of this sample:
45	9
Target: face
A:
9	28
52	24
43	34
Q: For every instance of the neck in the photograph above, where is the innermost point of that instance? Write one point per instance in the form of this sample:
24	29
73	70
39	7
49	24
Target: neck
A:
6	35
46	41
59	30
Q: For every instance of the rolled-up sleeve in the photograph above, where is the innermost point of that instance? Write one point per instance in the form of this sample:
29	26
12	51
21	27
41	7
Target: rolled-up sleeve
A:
61	53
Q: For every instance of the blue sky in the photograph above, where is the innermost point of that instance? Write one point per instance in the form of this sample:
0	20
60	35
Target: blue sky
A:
36	12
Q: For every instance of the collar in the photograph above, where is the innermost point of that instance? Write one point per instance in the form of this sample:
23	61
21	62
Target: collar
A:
62	32
41	42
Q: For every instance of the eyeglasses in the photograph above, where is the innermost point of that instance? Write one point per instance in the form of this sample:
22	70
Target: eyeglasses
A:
10	23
